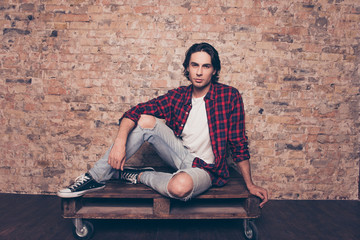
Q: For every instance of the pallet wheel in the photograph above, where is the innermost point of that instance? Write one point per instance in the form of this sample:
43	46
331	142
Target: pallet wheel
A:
250	230
83	229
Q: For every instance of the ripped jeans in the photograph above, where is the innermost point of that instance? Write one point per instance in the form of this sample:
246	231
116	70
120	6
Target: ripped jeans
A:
169	148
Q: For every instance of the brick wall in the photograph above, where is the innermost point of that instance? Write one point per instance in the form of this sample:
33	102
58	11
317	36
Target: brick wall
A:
69	69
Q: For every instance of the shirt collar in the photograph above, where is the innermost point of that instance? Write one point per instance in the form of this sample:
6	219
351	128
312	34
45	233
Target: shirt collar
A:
209	95
188	95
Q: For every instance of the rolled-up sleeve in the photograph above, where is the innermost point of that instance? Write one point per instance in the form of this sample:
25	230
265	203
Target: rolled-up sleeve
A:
238	140
157	107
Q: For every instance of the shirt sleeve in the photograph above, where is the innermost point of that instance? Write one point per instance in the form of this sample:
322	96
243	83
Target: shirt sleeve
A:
238	141
158	107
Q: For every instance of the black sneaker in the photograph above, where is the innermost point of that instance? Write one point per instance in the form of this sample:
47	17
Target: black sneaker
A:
131	174
83	184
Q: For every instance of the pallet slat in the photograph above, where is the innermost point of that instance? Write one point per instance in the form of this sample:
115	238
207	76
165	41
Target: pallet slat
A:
116	189
146	212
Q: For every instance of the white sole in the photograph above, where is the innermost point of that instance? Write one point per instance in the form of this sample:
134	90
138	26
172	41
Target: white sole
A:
76	194
142	169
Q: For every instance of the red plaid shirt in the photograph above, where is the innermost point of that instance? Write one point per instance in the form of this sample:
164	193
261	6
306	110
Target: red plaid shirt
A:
226	119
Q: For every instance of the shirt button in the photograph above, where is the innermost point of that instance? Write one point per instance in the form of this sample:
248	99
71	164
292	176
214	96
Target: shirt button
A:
187	113
182	125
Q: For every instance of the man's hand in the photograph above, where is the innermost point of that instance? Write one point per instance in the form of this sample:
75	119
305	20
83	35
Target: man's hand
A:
253	189
117	156
259	192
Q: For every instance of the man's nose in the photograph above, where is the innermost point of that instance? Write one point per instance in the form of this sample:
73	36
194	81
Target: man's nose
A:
199	71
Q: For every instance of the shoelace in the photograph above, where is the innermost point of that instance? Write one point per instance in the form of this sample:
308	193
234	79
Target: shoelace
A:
79	181
129	176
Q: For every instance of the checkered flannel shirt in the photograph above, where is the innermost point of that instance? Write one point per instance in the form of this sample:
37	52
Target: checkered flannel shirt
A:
226	119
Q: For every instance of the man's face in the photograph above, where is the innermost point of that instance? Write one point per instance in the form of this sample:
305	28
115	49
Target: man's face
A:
200	71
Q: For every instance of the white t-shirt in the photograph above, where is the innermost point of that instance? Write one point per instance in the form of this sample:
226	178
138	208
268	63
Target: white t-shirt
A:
195	134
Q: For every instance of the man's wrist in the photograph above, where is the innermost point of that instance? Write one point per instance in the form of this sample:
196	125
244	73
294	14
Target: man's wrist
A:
119	141
250	185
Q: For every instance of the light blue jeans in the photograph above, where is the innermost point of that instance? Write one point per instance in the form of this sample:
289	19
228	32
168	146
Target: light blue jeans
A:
169	148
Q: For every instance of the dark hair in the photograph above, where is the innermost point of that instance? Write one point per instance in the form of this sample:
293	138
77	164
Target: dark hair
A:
203	47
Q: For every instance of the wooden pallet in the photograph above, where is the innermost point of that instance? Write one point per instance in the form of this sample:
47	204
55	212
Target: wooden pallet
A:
119	200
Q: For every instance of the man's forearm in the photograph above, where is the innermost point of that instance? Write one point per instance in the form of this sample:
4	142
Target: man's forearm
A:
253	189
126	126
246	172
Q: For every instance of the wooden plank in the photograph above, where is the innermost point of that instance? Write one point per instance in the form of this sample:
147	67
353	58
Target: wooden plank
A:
122	194
115	212
70	206
116	189
113	208
146	212
252	206
161	206
235	188
206	210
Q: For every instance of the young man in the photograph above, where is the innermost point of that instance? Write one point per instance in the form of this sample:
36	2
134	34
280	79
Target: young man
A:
201	120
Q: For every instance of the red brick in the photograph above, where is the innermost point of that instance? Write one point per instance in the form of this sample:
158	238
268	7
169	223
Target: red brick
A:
71	18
